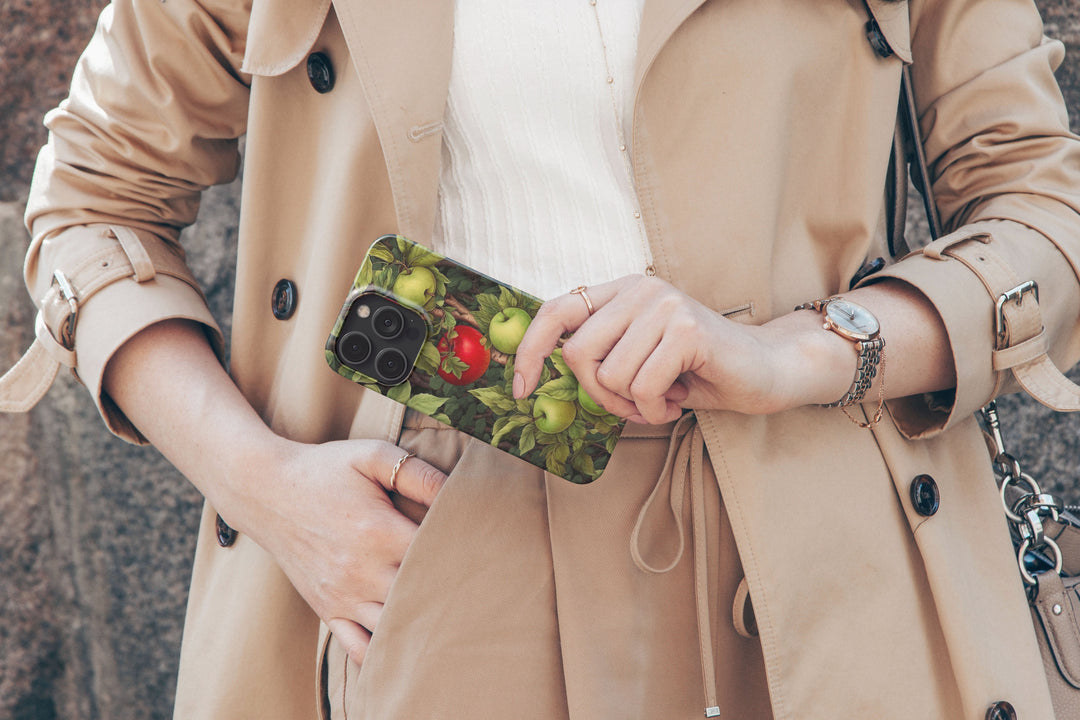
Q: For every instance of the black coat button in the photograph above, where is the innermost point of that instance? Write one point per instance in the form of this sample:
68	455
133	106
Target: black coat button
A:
1001	711
924	495
877	39
226	536
283	299
320	72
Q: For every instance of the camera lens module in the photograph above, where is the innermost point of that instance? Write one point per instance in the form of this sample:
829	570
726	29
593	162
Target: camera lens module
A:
379	339
354	348
391	365
388	322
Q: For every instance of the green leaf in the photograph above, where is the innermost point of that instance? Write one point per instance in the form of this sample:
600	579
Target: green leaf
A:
525	406
379	251
428	361
487	308
443	418
583	464
528	439
416	256
508	371
495	398
426	403
609	444
556	459
577	429
384	278
560	365
512	423
400	393
365	277
564	388
489	303
453	365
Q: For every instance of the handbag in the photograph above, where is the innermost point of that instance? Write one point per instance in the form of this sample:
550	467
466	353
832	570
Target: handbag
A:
1045	532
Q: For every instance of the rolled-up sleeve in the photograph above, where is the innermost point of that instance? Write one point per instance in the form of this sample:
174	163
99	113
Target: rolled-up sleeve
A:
156	107
1005	169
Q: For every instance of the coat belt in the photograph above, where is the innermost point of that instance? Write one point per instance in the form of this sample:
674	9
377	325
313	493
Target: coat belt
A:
683	465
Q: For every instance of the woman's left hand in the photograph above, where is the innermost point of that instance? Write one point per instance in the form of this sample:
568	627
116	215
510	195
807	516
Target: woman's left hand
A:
649	350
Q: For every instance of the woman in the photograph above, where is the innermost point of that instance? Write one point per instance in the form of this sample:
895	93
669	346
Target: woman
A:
747	146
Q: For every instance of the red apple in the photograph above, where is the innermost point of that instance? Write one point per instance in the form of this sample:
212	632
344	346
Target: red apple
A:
464	342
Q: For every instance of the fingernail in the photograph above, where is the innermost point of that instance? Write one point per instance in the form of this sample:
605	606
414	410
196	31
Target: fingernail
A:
519	386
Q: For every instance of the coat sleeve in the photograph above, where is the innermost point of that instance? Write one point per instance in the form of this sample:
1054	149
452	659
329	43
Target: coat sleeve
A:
1005	168
157	103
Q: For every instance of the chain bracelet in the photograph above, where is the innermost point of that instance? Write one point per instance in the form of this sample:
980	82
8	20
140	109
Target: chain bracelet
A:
1027	515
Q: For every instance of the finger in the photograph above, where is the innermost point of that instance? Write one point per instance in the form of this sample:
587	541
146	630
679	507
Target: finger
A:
656	376
368	614
352	637
414	479
558	316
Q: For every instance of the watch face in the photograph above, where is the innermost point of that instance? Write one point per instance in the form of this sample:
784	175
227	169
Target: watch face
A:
851	320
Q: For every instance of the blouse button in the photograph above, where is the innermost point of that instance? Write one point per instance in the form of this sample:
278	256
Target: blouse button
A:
320	72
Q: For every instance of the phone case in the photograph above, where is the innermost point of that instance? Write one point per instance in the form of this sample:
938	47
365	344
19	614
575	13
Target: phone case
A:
464	370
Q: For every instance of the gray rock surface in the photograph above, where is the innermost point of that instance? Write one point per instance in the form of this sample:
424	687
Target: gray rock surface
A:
96	536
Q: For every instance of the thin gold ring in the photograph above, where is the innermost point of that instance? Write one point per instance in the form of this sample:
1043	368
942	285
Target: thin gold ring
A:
580	290
397	466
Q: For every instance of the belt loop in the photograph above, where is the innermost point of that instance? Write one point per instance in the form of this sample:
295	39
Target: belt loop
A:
136	253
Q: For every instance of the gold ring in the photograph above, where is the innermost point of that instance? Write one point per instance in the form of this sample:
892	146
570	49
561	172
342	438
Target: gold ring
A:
397	466
580	290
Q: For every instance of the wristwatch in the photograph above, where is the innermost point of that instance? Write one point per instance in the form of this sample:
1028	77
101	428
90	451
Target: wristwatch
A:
856	323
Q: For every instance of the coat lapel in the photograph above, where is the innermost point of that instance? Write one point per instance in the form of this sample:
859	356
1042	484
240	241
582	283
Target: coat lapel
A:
658	21
401	51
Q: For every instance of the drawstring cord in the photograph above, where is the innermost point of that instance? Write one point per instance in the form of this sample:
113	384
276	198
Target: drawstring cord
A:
684	464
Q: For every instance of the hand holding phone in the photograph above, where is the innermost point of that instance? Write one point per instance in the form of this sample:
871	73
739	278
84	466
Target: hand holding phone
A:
441	338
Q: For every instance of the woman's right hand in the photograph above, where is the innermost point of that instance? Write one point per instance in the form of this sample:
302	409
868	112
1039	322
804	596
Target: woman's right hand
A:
324	513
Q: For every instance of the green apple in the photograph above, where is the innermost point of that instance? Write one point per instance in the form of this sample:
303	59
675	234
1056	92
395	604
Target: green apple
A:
553	416
588	404
417	285
507	328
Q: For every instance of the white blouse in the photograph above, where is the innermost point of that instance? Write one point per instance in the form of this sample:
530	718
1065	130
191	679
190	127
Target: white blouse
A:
536	187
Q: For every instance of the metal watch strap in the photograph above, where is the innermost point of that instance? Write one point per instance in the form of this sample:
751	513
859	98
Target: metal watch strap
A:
865	372
868	362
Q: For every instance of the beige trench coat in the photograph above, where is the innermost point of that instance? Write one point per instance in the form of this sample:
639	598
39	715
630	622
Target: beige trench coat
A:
761	137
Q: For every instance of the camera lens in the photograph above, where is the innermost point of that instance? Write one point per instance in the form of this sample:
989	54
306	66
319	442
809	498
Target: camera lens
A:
391	366
388	322
354	348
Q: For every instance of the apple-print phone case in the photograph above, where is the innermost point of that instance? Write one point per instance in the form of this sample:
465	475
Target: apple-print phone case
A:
464	359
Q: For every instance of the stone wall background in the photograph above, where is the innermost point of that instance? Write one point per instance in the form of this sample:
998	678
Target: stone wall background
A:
96	536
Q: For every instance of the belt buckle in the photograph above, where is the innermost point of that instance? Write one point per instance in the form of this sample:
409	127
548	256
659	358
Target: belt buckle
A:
1016	295
66	292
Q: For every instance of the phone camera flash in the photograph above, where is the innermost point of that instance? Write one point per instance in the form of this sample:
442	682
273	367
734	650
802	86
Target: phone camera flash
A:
363	311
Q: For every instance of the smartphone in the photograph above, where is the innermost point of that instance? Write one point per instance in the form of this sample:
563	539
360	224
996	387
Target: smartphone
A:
440	338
